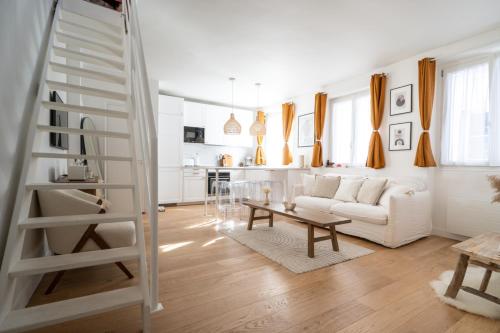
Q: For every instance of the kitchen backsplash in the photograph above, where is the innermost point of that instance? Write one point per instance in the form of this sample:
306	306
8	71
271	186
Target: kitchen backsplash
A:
208	154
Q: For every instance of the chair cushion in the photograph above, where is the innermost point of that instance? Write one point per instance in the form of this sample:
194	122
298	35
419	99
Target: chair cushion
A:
348	189
371	190
361	212
325	187
322	204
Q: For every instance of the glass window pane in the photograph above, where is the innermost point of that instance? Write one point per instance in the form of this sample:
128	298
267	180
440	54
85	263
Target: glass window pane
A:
362	129
342	131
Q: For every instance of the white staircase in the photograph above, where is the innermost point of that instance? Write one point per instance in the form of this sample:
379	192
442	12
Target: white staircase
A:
89	41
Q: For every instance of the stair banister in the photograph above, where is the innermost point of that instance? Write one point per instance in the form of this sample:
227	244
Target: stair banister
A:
148	134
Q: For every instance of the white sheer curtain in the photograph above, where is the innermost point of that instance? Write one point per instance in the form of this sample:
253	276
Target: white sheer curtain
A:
471	119
351	129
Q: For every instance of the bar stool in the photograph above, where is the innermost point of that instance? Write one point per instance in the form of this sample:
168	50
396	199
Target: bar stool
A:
240	190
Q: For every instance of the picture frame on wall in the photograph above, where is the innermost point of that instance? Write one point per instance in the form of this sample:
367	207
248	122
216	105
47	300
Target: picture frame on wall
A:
401	100
306	130
400	136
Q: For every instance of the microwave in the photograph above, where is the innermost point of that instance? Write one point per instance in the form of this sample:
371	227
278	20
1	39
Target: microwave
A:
194	134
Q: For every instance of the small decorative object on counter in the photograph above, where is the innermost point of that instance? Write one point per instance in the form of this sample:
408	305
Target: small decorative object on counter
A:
266	191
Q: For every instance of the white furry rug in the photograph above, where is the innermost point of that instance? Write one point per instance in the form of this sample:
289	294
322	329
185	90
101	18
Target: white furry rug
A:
467	301
286	244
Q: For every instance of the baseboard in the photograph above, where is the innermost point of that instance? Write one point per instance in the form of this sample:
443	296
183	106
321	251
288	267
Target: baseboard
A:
445	234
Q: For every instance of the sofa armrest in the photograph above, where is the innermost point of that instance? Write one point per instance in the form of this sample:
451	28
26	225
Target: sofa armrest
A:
298	189
59	203
410	217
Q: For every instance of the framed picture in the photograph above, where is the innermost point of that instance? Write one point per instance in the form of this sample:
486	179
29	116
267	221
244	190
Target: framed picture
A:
400	136
401	100
306	130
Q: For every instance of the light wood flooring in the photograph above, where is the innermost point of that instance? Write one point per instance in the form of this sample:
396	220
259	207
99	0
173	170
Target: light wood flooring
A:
211	283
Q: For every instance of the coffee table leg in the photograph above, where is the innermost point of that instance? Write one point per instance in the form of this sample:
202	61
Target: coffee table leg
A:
458	276
310	240
250	218
485	281
333	234
271	216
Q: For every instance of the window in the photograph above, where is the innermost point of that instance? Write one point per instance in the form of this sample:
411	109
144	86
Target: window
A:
471	120
351	129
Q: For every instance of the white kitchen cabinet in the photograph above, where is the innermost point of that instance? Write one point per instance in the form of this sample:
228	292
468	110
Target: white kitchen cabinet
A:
195	114
194	185
169	185
170	145
214	128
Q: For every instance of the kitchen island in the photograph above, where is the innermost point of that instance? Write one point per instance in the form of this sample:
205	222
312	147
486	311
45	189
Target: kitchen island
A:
288	175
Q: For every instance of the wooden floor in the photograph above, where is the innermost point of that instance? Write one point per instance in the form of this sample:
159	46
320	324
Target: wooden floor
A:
210	283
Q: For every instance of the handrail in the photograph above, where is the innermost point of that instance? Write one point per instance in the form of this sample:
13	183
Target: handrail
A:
143	106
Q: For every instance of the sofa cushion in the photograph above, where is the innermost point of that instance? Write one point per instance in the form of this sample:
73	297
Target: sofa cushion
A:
322	204
371	190
308	182
391	190
325	187
348	189
361	212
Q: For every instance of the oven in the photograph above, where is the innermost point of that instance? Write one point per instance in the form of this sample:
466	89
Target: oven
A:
223	176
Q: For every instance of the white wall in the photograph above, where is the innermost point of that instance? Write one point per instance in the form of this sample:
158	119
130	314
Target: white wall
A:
454	189
208	154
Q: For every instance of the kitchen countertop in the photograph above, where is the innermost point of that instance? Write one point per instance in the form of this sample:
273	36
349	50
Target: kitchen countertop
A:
265	168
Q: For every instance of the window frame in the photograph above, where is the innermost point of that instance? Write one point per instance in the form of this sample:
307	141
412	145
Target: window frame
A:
454	66
353	97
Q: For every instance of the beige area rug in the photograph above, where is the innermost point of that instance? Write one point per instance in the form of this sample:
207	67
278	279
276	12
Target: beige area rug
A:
467	301
286	244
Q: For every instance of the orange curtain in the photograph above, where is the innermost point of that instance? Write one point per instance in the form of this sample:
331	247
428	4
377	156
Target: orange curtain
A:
426	83
288	114
319	122
260	158
377	96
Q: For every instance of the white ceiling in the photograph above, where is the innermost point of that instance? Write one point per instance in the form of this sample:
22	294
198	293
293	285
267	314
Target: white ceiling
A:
293	46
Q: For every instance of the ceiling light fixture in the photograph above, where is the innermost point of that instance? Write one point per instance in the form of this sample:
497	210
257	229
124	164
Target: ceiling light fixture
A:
257	127
232	126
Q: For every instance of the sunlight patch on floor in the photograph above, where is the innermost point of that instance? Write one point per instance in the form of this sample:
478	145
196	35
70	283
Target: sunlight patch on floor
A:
174	246
212	241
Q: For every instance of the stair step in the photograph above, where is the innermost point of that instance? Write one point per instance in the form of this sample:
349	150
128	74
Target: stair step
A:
77	186
93	32
54	85
83	157
91	22
69	130
84	109
89	44
87	73
74	220
87	58
42	265
57	312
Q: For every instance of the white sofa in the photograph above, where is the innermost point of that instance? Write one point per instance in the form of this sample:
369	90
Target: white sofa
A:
401	215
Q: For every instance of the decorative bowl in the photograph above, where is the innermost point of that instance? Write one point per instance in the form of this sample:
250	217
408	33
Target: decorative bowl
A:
289	205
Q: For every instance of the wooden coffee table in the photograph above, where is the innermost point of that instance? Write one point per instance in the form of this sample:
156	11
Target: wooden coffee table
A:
310	217
482	250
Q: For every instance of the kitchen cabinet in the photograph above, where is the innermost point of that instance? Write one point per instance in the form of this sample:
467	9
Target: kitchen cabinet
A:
193	185
214	127
195	114
170	145
169	185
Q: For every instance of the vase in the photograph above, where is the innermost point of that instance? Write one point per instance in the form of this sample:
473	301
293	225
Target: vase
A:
266	200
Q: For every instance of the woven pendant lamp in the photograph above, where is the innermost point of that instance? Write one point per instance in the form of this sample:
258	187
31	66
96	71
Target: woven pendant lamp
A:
257	127
232	126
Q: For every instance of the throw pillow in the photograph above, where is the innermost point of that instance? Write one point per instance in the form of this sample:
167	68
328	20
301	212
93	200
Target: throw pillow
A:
308	182
371	190
325	187
348	189
385	198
